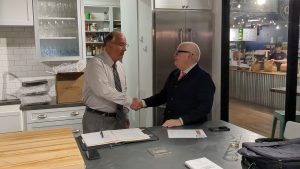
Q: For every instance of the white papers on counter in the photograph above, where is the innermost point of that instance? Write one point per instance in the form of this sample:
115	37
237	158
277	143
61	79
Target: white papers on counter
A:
114	136
201	163
186	133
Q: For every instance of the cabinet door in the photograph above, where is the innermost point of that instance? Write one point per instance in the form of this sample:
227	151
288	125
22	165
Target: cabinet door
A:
198	4
57	27
10	122
199	30
169	4
16	12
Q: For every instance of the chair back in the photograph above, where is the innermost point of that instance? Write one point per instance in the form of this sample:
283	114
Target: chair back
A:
292	130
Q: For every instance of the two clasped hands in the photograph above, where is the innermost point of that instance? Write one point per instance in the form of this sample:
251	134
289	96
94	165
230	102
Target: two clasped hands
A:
137	104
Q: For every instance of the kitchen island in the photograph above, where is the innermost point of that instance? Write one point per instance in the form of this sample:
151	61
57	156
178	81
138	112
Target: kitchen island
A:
137	156
51	149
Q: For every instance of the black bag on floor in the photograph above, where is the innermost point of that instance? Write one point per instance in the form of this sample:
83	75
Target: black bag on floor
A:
271	155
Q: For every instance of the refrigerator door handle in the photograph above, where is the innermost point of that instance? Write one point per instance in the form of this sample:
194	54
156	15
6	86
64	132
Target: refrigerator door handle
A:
191	33
181	34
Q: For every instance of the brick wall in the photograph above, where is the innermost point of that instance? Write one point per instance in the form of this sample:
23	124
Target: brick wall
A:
18	57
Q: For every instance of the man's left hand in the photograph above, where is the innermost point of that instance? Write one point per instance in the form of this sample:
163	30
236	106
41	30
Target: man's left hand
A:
172	123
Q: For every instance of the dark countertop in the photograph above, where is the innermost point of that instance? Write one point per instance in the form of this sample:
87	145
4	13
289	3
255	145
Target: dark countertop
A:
136	155
51	105
9	102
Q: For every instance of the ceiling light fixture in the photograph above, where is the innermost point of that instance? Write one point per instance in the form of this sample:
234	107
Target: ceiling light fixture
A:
261	2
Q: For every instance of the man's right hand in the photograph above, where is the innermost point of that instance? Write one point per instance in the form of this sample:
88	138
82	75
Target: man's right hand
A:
136	104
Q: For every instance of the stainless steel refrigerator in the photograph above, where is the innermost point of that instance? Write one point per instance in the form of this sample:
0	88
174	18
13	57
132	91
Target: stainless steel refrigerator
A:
171	27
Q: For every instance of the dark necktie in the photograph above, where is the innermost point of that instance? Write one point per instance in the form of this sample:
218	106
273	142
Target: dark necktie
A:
117	86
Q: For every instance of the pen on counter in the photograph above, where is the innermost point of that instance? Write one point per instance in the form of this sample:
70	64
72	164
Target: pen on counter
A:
101	134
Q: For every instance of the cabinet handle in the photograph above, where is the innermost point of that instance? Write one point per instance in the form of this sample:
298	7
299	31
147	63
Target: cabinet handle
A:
183	6
75	113
42	116
187	6
76	131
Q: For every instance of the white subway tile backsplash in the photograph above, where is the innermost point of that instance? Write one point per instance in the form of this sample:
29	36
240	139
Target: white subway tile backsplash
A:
32	62
12	35
30	51
19	51
11	63
3	51
18	29
38	67
18	57
5	29
3	69
3	45
29	40
4	63
20	62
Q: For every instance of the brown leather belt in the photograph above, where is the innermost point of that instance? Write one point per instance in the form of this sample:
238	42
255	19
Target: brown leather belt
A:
106	114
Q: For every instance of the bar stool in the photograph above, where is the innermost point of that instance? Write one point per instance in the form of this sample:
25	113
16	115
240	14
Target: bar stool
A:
279	115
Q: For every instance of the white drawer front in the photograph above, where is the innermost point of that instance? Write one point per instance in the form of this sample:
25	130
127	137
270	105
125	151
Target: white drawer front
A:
75	125
54	114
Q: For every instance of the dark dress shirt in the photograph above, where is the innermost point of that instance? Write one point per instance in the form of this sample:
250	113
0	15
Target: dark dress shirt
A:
190	98
277	56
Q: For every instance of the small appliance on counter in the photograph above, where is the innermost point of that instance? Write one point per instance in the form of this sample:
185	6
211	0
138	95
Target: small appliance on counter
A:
34	93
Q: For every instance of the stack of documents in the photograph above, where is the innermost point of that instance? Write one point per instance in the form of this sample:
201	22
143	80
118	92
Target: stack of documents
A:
186	133
114	136
201	163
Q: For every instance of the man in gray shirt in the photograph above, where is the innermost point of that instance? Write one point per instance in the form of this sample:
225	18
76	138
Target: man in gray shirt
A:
104	91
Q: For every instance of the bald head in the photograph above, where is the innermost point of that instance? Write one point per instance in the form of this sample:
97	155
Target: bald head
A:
192	47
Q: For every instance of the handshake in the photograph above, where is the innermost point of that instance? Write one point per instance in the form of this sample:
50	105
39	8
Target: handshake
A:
136	104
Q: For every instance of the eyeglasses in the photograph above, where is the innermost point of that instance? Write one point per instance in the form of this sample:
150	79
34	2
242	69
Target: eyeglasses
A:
182	51
121	45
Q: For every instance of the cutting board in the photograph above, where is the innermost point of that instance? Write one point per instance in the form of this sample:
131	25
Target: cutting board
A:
49	149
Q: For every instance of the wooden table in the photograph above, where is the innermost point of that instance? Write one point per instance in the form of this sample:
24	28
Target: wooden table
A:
51	149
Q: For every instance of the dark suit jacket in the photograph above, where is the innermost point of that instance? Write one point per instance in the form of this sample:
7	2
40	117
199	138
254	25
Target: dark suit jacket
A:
190	98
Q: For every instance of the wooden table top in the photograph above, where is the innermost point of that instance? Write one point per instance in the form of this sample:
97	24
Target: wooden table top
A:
51	149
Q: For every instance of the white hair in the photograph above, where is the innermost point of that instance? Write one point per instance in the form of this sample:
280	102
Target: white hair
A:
195	50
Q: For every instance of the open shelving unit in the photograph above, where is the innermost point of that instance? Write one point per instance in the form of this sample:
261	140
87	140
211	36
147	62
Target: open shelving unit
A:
99	20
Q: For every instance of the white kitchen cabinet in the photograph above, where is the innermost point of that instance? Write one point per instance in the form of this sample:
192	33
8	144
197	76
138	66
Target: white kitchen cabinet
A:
16	12
170	4
70	117
10	118
183	4
57	26
99	20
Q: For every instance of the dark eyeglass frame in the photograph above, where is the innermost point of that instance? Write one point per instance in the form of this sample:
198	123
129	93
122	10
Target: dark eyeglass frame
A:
183	51
121	45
